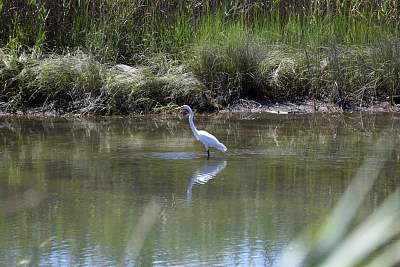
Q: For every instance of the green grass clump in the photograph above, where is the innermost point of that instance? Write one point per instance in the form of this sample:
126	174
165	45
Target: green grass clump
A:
10	66
58	80
246	67
230	70
76	83
146	89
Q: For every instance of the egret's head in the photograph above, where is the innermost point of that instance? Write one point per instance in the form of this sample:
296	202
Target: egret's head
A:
186	108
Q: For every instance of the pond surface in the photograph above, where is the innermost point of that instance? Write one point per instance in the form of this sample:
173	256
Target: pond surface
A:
123	191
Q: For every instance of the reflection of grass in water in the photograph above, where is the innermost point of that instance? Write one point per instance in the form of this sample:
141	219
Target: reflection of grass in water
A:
338	241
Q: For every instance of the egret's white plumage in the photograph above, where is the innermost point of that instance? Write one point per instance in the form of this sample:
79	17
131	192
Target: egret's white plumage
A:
206	138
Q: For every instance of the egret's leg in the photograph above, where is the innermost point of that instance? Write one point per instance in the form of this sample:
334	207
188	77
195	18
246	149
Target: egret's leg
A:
208	154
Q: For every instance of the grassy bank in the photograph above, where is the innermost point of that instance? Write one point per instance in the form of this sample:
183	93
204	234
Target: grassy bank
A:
76	83
62	55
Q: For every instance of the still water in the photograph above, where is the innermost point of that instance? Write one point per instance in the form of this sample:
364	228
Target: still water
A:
124	191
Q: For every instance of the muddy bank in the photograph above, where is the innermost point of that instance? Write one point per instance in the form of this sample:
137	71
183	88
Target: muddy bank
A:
307	106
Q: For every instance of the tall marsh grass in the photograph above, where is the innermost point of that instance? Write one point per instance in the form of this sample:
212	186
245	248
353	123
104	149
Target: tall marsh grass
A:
119	30
340	51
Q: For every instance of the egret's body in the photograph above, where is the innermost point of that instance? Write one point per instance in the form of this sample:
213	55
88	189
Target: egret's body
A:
206	138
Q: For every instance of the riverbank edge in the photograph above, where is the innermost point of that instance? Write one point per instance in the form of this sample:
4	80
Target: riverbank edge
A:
243	106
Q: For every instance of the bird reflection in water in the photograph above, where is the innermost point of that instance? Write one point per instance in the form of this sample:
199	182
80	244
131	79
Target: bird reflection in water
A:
204	174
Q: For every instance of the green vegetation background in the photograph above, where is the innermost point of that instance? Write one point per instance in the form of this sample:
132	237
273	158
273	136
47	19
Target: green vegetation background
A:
61	55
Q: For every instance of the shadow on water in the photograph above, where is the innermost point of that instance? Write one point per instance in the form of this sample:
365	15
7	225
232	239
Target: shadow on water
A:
204	174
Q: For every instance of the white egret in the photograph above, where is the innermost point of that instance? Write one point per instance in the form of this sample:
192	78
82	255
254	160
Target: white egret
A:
206	138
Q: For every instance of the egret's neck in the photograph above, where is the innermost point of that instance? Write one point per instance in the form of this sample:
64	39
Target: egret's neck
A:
194	130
